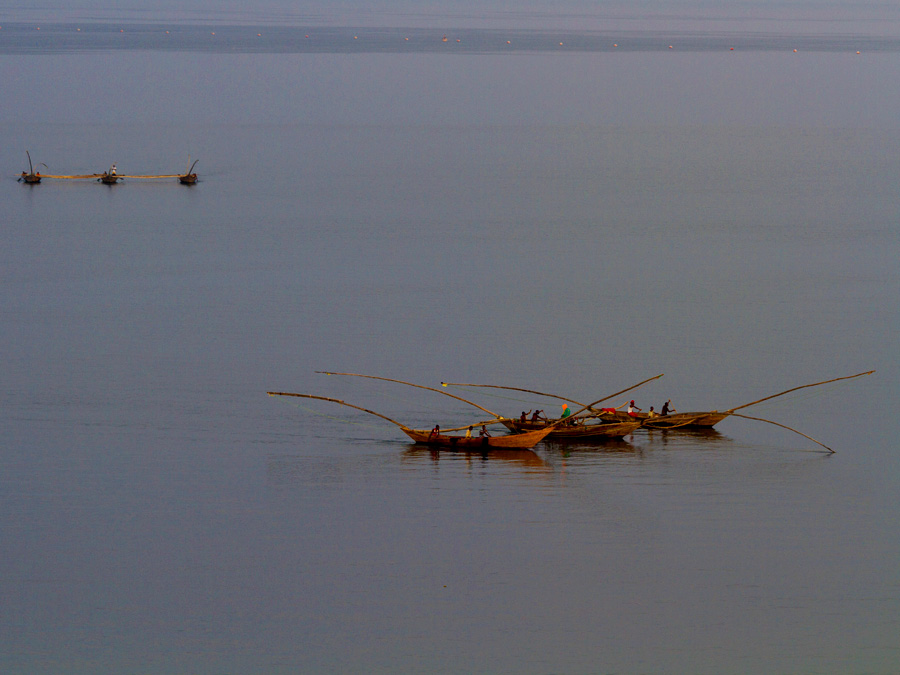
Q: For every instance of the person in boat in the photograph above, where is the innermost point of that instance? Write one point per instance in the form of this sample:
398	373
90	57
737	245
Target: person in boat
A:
652	412
524	417
469	432
666	409
112	170
633	409
435	432
565	413
484	432
536	416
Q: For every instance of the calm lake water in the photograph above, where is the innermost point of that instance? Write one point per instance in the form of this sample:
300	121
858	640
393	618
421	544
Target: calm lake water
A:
565	221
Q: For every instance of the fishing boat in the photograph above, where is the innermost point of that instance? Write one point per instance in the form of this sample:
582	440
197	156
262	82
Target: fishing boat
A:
687	420
189	177
521	441
432	438
586	427
579	428
32	177
109	178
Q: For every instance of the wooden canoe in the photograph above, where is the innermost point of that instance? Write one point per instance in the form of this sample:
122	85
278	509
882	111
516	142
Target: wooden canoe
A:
522	441
189	177
687	420
582	430
32	177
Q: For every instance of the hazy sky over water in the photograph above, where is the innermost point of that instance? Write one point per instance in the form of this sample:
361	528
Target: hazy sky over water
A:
869	16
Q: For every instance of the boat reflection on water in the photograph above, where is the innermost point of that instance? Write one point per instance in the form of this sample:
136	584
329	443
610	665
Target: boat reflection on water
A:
610	445
693	436
528	458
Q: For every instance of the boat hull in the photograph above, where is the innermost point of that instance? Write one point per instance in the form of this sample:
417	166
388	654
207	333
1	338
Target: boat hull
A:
579	432
520	441
686	420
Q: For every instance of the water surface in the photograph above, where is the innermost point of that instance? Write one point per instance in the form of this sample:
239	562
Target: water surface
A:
571	222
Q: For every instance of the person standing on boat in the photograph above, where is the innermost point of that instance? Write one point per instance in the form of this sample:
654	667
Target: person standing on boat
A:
484	432
633	409
435	432
112	170
666	409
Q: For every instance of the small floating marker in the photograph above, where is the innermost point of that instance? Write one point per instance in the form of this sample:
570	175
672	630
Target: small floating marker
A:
167	32
444	39
615	45
306	36
508	42
560	44
458	40
795	51
732	49
671	47
212	33
355	37
259	35
407	39
857	52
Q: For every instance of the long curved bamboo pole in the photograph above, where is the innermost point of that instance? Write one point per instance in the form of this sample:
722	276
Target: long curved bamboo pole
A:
372	412
497	386
419	386
760	419
562	398
804	386
337	400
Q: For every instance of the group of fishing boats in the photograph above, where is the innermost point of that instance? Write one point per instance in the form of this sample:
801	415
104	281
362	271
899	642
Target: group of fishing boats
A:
588	423
108	177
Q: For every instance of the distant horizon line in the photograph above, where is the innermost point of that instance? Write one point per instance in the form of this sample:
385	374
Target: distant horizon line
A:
67	37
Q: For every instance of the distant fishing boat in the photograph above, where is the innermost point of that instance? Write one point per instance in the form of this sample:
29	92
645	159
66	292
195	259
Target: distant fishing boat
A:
687	420
189	177
109	177
575	427
32	177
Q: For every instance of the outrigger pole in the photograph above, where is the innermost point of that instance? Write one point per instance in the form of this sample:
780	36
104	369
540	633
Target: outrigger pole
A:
803	386
336	400
419	386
